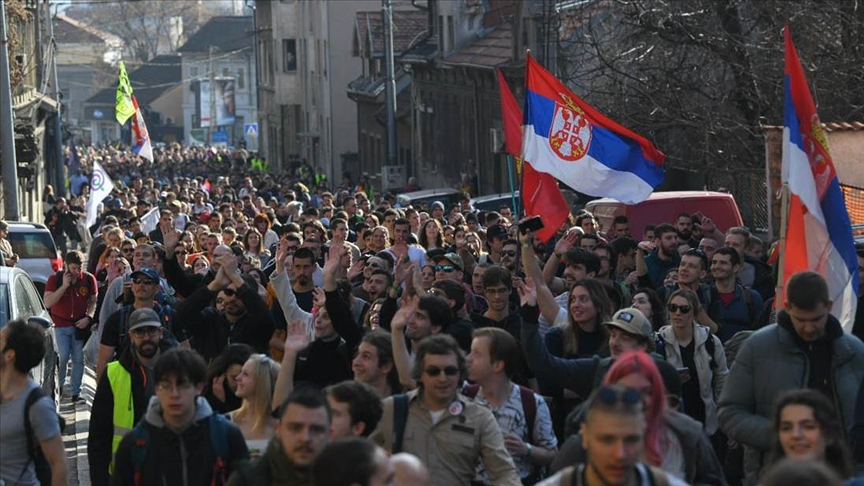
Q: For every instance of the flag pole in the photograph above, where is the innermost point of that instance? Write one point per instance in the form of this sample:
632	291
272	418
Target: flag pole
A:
512	185
780	295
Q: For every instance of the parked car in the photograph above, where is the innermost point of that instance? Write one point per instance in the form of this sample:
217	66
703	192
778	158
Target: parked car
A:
447	195
33	243
494	202
19	299
664	207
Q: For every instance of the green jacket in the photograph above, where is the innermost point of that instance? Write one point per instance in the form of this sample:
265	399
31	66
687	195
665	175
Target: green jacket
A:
271	469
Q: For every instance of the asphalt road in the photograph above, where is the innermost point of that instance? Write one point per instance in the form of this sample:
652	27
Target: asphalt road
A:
77	418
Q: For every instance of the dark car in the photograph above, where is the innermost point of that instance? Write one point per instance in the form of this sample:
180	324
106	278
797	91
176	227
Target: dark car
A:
19	299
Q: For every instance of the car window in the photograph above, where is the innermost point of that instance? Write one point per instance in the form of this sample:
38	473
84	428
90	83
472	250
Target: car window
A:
23	305
32	245
4	305
33	296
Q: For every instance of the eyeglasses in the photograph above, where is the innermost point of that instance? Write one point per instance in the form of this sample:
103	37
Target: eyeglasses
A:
167	386
434	371
146	331
444	268
509	253
143	281
613	396
685	309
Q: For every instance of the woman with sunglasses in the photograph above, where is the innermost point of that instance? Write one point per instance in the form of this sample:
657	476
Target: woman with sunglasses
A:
808	429
255	385
673	441
697	354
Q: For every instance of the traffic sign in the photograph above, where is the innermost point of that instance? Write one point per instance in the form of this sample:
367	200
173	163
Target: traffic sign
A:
250	129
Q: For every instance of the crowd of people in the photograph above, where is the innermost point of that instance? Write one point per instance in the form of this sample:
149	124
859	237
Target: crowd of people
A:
280	329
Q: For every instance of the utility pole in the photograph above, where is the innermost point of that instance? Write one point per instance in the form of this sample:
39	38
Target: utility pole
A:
212	126
387	11
10	165
59	173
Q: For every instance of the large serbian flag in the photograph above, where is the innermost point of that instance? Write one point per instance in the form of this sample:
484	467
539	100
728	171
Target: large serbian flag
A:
565	137
540	192
140	136
818	231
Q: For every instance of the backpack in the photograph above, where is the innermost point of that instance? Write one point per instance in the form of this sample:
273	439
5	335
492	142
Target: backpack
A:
166	315
34	450
218	425
660	348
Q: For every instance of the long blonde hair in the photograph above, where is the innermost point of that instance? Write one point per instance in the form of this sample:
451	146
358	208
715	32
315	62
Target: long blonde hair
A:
260	408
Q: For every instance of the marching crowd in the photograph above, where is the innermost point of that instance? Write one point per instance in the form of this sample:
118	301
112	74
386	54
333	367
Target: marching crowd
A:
286	330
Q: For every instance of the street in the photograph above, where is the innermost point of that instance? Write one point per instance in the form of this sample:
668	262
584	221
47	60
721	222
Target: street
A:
75	435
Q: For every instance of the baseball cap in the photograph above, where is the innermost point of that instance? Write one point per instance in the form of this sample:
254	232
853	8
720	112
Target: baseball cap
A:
453	258
147	272
496	231
144	318
631	320
435	253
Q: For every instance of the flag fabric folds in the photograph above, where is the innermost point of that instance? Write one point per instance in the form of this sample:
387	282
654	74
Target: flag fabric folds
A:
567	138
124	109
100	188
540	193
818	231
140	136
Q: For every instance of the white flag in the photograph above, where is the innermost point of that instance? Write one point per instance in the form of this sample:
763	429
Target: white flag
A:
100	188
150	220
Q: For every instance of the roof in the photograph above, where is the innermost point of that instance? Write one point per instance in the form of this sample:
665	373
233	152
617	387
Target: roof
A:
225	33
664	195
70	31
149	81
409	28
491	50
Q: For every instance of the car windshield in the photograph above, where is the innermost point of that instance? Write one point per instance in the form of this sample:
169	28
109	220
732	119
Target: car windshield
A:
4	305
32	245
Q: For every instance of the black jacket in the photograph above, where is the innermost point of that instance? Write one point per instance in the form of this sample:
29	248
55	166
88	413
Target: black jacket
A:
273	469
187	458
184	283
211	331
101	432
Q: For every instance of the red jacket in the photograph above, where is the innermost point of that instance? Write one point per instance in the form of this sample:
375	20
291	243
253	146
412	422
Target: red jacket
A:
73	304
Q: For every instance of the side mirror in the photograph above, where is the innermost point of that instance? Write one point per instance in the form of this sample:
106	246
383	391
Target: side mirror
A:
42	321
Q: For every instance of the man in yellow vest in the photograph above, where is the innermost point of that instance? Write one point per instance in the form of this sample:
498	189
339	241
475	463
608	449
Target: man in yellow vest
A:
123	393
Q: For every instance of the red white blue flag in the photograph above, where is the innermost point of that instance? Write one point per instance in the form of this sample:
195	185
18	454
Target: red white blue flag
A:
140	136
566	137
818	230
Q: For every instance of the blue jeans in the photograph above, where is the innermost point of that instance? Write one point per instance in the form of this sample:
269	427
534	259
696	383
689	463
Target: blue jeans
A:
68	345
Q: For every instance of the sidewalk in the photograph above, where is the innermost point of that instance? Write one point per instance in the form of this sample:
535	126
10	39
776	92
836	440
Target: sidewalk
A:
75	435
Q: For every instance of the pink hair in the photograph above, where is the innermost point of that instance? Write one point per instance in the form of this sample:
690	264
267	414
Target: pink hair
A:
639	362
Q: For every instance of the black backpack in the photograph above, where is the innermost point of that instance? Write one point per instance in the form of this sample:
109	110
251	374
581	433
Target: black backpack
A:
34	449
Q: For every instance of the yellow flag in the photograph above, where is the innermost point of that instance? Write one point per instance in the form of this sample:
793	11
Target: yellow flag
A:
125	109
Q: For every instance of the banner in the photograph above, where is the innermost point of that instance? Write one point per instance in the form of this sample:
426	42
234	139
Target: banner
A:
100	188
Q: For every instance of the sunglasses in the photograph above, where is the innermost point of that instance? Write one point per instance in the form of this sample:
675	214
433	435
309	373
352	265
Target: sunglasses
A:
685	309
612	396
128	250
143	281
434	371
509	253
444	268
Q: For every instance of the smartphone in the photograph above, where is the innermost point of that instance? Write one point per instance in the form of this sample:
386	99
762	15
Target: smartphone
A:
533	223
684	374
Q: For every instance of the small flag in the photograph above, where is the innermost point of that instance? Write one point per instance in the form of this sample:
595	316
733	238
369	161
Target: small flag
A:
564	136
140	136
540	192
818	230
206	186
100	188
150	220
125	109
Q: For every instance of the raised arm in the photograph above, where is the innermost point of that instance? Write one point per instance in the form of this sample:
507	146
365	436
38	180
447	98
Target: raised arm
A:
296	341
545	300
401	358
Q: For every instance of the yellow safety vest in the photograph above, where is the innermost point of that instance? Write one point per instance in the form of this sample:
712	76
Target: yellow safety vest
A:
124	411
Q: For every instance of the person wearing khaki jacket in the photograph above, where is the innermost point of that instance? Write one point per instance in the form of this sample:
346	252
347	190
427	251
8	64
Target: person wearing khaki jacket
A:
445	430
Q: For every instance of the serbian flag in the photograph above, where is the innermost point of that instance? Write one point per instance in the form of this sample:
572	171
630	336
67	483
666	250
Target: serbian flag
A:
140	136
567	138
540	192
206	186
818	230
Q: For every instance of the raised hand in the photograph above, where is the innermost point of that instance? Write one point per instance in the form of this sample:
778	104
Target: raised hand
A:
527	290
297	337
566	242
319	298
171	239
334	258
404	314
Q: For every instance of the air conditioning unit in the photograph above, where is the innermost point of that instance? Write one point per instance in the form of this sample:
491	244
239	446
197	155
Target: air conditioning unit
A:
496	140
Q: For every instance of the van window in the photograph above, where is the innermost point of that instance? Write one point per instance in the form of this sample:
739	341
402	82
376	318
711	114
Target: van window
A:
32	245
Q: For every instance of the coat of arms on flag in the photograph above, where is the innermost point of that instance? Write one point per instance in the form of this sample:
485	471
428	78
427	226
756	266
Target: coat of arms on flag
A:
570	134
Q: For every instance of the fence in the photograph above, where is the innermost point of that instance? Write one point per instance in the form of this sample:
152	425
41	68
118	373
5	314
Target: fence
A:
854	202
748	187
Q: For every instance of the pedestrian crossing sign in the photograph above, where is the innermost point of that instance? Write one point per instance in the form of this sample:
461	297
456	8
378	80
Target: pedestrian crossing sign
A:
250	129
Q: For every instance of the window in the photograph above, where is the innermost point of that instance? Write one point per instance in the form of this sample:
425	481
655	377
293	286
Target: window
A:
241	78
193	71
441	33
450	34
289	55
225	72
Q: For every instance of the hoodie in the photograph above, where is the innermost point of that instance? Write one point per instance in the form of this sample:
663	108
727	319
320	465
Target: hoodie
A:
174	457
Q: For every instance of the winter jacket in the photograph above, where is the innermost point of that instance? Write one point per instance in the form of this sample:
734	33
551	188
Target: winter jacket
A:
712	371
211	331
272	469
701	464
185	458
771	362
101	431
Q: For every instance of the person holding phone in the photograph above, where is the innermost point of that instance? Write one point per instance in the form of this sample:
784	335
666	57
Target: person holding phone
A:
70	296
